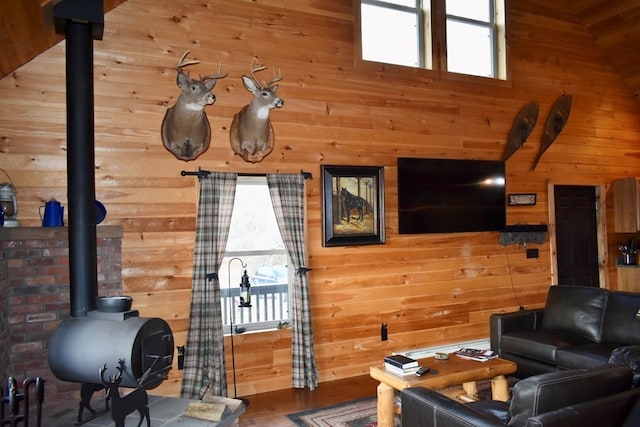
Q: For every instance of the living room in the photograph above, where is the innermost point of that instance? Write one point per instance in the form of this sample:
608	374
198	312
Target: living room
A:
431	290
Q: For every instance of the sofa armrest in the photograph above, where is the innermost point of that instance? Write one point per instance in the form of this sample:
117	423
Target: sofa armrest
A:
502	323
422	407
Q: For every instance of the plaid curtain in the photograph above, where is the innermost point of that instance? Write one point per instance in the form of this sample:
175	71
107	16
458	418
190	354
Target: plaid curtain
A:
204	367
288	199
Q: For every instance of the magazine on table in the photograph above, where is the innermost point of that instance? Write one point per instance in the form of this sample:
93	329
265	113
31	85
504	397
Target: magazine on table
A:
476	354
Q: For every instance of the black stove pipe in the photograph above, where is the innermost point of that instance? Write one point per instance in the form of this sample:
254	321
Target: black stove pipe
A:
83	264
81	21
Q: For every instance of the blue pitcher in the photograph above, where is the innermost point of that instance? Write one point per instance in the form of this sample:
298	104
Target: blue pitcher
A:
53	214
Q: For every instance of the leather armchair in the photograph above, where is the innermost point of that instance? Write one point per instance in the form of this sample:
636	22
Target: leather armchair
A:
599	396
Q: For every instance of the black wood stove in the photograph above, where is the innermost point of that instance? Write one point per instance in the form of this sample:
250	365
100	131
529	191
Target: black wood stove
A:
141	348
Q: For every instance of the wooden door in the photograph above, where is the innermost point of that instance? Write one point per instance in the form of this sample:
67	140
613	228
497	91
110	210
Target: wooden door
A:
576	235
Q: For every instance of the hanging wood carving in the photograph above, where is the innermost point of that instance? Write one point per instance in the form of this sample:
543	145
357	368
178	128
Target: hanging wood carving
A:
558	116
185	128
251	134
521	129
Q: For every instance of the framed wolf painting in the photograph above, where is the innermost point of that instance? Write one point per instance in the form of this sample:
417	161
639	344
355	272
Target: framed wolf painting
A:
352	205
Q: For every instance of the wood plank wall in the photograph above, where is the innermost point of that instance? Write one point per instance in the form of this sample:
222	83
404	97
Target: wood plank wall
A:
429	289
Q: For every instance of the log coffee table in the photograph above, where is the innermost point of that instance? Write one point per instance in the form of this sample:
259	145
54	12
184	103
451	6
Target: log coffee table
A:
451	372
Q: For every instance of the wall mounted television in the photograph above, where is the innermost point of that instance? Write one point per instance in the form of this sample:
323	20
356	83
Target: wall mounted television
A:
450	195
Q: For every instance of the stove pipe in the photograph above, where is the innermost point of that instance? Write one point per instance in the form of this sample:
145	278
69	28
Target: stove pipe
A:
81	21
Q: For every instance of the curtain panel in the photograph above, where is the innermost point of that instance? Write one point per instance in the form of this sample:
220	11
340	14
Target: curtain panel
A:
204	363
288	198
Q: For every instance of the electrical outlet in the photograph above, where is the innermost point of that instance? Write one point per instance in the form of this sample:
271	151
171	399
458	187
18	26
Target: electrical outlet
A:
383	332
532	253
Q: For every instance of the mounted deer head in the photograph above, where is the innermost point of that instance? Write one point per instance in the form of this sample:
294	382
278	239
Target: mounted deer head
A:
185	127
251	133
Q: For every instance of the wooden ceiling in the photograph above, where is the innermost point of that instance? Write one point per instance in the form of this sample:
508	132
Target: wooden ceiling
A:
26	30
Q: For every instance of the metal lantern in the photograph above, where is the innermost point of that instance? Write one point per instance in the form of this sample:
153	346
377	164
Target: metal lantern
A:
9	204
245	290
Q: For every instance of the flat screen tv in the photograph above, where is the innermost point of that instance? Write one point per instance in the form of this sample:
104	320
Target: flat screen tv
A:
450	196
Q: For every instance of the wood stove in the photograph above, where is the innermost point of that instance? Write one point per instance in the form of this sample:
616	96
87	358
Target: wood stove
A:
83	343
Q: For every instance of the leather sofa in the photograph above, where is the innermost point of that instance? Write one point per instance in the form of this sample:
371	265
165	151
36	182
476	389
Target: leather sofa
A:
579	327
600	397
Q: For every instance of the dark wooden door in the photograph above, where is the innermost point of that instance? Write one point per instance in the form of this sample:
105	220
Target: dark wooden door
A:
576	235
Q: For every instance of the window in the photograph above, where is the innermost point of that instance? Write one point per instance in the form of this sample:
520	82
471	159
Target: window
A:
457	36
254	239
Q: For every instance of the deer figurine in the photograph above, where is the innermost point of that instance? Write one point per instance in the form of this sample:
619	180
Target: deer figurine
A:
251	133
185	128
137	400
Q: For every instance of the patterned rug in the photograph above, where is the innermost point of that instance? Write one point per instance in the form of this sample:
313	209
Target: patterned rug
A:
355	413
362	412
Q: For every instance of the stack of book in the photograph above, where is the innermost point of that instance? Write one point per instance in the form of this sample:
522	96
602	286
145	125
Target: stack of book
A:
475	354
401	365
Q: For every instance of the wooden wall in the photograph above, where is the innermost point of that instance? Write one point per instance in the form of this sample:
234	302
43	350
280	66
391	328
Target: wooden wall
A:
429	289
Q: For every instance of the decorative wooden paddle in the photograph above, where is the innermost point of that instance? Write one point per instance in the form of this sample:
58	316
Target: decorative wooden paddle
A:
558	116
522	127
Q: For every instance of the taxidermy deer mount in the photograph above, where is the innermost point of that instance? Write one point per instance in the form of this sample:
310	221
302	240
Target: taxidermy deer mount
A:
251	133
185	128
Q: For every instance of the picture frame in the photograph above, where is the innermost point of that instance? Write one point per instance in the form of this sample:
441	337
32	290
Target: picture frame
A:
352	205
522	199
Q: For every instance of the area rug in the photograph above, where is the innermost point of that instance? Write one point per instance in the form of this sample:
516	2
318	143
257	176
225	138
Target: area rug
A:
362	412
355	413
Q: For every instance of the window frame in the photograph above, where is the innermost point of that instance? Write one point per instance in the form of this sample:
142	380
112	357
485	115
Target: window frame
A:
491	25
435	44
231	284
421	31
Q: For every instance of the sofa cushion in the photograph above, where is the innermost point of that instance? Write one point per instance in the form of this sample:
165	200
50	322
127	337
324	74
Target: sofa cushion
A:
576	309
539	345
633	418
622	319
609	411
583	356
547	392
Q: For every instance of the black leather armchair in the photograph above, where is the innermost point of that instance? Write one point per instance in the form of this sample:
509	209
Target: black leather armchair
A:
599	396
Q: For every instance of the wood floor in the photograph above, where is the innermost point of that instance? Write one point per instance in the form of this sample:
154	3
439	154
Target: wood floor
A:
270	409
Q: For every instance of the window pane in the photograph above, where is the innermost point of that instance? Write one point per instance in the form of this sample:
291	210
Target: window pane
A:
255	241
472	9
253	224
269	279
469	49
389	36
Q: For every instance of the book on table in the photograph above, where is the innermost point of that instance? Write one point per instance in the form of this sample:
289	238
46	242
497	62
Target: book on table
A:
400	361
476	354
399	371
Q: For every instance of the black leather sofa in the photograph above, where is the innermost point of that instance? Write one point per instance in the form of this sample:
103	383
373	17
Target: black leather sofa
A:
579	327
598	397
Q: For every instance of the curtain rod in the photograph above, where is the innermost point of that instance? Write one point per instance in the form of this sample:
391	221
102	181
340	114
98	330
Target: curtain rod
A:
201	173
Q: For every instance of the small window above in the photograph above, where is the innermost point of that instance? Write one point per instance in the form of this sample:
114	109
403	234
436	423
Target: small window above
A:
454	36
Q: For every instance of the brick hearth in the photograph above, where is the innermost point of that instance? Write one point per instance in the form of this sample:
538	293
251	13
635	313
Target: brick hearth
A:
34	297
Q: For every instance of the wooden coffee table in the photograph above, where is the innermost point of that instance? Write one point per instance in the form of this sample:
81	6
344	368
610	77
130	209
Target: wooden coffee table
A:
451	372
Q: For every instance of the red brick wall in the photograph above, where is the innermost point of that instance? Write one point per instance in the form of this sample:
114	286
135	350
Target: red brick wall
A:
34	296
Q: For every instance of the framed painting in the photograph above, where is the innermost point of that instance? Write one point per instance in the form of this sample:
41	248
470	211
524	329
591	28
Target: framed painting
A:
352	205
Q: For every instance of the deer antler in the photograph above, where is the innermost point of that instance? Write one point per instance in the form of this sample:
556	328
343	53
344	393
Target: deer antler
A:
181	62
120	369
217	75
275	79
102	371
255	69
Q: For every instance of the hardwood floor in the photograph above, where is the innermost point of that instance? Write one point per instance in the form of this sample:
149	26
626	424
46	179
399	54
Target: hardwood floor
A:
264	410
270	409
